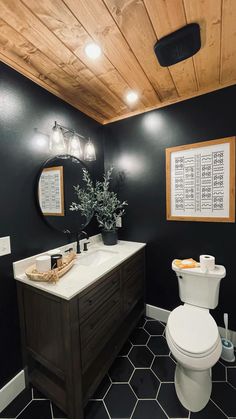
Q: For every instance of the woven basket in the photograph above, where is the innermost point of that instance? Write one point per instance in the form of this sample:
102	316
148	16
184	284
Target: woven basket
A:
54	274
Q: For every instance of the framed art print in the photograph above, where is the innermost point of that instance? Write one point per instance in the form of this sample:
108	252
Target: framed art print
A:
200	181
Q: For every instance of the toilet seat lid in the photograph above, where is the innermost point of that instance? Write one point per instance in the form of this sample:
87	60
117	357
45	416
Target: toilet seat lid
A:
193	329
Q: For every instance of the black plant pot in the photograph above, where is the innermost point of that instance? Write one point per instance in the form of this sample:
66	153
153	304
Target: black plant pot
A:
109	237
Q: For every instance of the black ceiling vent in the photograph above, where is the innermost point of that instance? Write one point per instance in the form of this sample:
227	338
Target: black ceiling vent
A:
178	45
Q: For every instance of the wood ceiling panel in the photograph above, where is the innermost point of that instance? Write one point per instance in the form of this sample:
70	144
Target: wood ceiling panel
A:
133	20
96	19
45	41
207	61
167	16
228	56
28	57
35	32
59	20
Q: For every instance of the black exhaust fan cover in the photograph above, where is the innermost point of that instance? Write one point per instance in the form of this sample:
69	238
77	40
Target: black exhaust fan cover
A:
178	45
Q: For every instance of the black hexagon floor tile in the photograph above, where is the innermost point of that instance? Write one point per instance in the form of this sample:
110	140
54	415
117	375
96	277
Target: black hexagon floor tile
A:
37	409
218	372
145	384
102	388
120	401
164	368
17	405
148	409
158	345
211	411
231	377
139	337
121	370
224	396
120	398
154	327
169	401
141	356
96	410
126	348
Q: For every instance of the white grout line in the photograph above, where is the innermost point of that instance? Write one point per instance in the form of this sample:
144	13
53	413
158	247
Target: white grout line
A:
131	388
104	404
132	375
24	408
134	409
218	407
162	408
231	385
158	390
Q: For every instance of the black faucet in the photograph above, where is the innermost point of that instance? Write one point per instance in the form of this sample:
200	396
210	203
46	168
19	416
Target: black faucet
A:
79	237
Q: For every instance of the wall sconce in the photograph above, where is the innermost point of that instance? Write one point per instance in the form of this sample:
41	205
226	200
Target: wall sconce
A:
74	146
65	140
56	141
89	151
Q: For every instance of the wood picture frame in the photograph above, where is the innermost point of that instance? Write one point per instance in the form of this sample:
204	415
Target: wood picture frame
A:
59	194
176	170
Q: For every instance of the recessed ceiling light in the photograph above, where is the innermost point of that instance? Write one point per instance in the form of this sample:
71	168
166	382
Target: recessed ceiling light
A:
131	97
93	50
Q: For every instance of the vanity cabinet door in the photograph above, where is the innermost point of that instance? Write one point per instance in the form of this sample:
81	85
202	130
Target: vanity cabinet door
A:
133	290
92	299
100	308
133	281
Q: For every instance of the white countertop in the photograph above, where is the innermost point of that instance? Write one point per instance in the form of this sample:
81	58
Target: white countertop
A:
80	276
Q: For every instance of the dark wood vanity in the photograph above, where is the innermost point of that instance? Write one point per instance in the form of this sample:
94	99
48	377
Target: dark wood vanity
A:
69	345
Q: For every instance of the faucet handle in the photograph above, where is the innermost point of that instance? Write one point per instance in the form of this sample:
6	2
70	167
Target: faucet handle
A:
86	246
69	250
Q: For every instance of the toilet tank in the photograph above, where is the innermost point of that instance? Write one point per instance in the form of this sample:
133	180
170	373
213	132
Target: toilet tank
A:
199	288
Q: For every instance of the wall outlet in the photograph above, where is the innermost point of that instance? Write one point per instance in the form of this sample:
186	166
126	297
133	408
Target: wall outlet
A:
119	222
5	246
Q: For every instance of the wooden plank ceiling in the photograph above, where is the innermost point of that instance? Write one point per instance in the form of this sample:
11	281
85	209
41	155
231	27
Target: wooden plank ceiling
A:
45	41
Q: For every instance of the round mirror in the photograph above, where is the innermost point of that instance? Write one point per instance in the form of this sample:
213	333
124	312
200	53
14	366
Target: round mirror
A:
56	192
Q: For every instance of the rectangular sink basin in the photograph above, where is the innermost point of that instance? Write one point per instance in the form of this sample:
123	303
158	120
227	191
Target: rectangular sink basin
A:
95	257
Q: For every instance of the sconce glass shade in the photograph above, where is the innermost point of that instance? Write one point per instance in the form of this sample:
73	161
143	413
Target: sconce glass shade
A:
57	142
74	146
89	151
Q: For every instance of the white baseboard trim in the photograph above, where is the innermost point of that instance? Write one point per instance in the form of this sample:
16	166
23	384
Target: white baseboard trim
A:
161	314
157	313
11	390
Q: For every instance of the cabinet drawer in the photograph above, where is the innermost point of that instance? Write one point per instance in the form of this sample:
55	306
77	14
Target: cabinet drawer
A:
99	319
90	302
133	290
98	333
135	264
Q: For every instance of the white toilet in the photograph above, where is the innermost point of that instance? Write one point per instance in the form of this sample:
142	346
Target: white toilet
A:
193	336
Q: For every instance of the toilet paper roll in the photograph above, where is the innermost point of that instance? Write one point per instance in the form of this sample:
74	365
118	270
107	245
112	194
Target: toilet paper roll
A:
207	263
43	263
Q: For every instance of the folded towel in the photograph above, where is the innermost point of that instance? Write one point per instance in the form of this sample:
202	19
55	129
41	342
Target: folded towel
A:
186	263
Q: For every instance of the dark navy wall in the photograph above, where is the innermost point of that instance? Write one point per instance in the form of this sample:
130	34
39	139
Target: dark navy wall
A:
136	147
24	106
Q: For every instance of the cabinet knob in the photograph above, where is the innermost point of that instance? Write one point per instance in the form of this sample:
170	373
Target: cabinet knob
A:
90	301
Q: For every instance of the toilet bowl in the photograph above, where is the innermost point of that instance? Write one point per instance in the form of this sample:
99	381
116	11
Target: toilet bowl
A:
193	338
